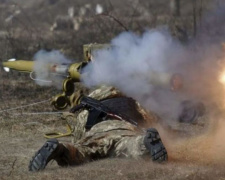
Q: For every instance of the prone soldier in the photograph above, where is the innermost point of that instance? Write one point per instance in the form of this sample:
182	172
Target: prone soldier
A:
108	136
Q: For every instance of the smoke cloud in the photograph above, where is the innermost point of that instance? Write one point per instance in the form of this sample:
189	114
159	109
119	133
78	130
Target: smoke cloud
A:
141	66
41	67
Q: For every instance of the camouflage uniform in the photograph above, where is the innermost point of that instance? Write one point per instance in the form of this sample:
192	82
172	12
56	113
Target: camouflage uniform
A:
78	121
111	138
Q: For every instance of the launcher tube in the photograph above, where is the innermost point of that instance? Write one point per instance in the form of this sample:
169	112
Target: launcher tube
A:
72	70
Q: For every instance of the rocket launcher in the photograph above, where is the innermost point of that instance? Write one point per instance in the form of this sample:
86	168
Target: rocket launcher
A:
73	73
71	70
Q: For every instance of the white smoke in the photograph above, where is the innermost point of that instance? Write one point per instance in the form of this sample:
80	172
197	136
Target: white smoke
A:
41	67
141	67
134	65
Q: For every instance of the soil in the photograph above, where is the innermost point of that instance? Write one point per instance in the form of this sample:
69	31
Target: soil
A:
196	151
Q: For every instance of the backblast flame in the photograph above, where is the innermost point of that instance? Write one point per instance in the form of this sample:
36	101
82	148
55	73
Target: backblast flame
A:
222	78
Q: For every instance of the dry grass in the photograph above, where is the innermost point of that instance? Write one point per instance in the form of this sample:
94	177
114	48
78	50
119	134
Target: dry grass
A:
19	146
21	136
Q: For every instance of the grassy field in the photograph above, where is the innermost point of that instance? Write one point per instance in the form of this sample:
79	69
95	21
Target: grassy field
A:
200	155
20	141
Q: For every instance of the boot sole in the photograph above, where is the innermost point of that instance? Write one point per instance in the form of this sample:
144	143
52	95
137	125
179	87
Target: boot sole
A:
153	143
42	157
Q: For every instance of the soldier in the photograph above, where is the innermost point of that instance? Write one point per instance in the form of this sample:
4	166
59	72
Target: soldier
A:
109	137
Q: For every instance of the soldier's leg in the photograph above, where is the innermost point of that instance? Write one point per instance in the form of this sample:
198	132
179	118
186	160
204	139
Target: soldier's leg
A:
110	138
148	145
64	154
94	145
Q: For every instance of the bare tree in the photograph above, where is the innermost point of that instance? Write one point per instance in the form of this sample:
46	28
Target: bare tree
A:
194	17
175	7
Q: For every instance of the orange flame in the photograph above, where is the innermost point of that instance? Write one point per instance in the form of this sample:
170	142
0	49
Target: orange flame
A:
222	78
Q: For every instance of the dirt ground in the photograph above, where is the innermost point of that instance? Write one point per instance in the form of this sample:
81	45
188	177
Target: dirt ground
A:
197	154
190	157
21	138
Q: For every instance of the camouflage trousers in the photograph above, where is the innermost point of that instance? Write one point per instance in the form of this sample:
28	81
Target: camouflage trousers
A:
111	138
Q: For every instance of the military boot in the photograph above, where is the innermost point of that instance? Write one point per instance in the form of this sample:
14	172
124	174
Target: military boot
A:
64	155
153	143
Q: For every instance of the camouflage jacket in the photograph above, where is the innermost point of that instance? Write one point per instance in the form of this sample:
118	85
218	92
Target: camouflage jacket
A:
78	120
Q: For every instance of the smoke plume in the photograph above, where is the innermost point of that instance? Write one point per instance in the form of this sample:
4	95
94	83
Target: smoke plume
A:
41	67
141	66
136	64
